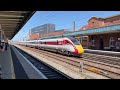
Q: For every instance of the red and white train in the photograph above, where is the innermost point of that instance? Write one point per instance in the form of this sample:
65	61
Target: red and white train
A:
65	45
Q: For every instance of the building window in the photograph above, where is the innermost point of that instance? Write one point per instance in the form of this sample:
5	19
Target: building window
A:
84	28
92	43
111	43
117	45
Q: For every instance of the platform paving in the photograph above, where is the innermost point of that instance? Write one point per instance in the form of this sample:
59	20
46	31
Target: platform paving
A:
6	64
31	71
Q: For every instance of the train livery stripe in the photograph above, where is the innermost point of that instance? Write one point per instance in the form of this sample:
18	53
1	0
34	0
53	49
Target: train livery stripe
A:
76	51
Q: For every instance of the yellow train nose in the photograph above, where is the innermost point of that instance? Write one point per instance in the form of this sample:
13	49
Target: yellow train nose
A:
80	49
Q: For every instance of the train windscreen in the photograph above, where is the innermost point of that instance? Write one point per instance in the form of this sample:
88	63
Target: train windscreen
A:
75	41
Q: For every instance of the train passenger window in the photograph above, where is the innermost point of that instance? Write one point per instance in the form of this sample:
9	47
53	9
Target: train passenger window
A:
76	42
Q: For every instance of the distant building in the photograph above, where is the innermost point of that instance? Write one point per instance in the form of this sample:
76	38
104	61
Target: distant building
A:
53	33
34	36
37	35
94	22
100	39
46	28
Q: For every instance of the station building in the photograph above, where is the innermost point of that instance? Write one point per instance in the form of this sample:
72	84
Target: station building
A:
46	28
99	33
38	35
108	40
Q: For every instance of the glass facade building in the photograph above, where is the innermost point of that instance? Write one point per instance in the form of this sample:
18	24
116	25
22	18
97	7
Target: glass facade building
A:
46	28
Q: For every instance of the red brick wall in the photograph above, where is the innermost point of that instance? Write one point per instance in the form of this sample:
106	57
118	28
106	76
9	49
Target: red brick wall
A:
112	22
111	19
33	36
106	38
53	33
95	23
104	22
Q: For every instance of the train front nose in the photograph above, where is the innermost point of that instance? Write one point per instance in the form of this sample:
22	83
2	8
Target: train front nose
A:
80	49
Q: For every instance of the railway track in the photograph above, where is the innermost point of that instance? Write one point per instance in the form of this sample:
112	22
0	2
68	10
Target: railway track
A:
48	71
101	68
102	58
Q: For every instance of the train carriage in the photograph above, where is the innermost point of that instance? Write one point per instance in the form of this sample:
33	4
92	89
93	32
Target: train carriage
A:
64	45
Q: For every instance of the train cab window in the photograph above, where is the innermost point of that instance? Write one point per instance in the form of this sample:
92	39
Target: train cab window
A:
76	42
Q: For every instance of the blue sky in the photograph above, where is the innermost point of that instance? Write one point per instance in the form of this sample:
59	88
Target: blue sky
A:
62	20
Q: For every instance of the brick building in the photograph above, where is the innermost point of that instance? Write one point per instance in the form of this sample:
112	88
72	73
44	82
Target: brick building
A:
104	40
95	22
37	35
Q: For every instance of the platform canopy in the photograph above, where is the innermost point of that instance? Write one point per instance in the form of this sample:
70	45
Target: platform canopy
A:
93	31
13	21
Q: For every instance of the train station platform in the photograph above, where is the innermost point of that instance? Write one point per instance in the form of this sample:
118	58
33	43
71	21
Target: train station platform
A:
6	64
109	53
15	66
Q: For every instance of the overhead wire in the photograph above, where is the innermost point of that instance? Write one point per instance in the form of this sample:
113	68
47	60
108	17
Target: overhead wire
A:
47	17
51	14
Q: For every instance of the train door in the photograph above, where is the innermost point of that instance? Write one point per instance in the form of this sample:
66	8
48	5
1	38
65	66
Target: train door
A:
101	44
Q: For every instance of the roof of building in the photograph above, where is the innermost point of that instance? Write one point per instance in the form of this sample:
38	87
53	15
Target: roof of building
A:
98	18
101	18
112	16
86	27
